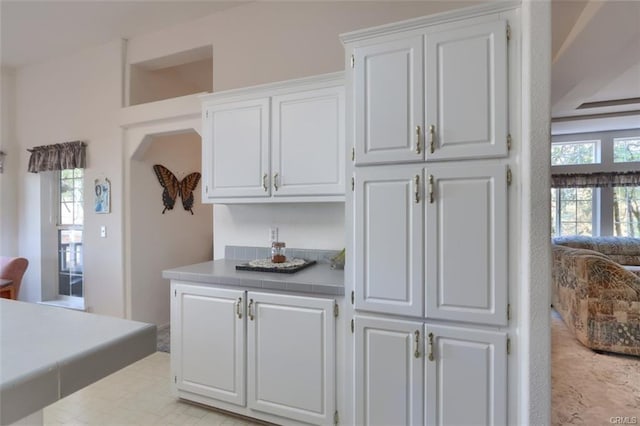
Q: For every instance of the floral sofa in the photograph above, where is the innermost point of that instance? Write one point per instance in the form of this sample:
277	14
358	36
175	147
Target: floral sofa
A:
596	290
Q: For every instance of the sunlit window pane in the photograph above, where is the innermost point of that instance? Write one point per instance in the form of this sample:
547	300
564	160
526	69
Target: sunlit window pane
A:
582	152
574	206
626	150
626	211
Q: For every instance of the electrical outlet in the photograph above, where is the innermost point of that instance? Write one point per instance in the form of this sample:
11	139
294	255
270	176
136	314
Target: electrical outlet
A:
273	233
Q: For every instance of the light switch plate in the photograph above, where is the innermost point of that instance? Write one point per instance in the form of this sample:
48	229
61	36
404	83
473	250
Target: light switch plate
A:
103	231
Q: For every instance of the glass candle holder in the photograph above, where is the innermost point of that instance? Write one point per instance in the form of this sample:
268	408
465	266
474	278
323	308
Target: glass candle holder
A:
277	252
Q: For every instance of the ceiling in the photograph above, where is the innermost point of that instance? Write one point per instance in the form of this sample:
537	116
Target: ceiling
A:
595	45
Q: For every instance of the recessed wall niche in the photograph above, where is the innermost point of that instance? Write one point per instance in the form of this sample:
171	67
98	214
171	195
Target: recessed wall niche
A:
171	76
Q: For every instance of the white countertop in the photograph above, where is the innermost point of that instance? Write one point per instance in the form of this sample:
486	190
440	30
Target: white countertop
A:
47	353
317	279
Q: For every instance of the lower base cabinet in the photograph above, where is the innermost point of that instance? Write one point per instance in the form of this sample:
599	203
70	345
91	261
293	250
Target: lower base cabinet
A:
412	373
256	354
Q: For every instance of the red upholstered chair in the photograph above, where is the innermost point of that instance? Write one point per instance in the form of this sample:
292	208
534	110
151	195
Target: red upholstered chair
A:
12	268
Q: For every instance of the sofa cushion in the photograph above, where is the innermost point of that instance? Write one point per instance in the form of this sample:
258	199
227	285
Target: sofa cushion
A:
622	250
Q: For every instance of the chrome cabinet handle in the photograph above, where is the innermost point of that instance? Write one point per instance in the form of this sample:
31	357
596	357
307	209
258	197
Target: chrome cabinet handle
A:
432	137
418	145
250	310
238	312
264	182
416	344
417	182
275	181
431	357
431	189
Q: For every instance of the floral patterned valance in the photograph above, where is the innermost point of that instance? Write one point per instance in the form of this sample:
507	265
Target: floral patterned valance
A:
593	180
61	156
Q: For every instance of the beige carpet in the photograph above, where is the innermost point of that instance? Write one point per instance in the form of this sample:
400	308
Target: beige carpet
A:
590	388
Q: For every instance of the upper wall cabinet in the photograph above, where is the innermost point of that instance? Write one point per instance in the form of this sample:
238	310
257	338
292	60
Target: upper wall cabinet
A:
277	142
439	94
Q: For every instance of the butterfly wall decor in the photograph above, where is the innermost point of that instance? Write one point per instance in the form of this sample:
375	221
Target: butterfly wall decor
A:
173	187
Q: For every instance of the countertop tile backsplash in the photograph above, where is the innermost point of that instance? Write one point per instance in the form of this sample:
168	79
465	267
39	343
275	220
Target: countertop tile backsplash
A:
252	253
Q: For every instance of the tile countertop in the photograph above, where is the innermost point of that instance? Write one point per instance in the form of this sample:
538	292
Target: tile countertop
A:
317	279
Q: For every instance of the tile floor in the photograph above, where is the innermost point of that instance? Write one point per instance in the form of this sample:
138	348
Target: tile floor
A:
136	395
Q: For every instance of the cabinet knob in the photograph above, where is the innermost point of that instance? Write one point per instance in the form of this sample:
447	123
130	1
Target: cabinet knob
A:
250	310
264	182
275	181
418	145
417	184
431	189
432	138
431	357
416	344
238	304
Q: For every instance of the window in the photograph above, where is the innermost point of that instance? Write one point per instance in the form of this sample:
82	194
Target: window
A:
70	224
600	208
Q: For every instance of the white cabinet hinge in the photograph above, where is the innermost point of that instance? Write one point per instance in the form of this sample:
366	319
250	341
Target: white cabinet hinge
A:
335	418
509	142
206	189
508	311
353	61
508	33
353	184
509	176
175	379
352	326
336	310
508	345
353	154
353	296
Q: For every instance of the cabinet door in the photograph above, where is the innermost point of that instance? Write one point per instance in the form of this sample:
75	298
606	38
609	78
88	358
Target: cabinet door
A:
466	92
389	228
466	243
236	150
308	143
388	86
389	372
466	379
207	342
291	356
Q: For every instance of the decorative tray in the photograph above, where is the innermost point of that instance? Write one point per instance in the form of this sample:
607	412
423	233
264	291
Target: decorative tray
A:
266	265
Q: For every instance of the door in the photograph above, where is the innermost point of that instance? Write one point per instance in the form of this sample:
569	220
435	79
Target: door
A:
466	92
388	86
236	150
389	241
308	143
207	342
389	372
466	376
291	356
466	243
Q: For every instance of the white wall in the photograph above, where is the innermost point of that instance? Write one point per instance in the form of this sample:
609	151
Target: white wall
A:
162	241
76	97
8	179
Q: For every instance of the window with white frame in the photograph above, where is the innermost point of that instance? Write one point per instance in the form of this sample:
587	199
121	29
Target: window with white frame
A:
596	184
70	227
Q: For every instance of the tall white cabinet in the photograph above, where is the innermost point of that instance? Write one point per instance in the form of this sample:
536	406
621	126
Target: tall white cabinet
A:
428	219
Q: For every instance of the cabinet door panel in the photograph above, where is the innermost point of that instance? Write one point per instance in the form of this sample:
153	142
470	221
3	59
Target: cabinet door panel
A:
466	244
291	357
467	380
466	91
388	101
308	143
389	240
207	342
388	388
238	158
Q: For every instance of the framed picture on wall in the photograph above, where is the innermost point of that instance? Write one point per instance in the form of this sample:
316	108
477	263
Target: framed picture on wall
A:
103	196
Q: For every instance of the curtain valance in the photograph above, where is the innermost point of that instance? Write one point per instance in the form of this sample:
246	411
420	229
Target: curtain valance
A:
595	180
61	156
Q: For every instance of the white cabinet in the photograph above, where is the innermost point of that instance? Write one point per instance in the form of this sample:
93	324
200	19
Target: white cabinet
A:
308	143
291	356
439	94
408	373
389	101
389	376
466	92
388	234
466	376
235	155
466	242
282	347
277	142
207	342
